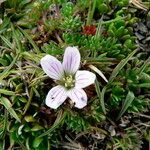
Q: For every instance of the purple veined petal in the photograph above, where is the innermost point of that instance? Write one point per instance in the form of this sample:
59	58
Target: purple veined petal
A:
71	60
52	67
56	96
84	79
79	97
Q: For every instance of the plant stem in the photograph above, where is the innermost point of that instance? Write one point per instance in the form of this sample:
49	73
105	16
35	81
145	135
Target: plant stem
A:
91	12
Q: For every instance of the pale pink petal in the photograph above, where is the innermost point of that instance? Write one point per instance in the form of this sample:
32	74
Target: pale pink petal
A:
71	60
55	97
52	67
79	97
84	79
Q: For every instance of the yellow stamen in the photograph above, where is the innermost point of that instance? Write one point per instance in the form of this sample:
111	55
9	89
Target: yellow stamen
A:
69	81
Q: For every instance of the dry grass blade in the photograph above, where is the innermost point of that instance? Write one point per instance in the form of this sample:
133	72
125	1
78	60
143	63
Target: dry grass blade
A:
98	72
139	4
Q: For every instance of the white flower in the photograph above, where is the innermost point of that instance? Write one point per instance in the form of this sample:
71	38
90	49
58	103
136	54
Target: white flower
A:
70	80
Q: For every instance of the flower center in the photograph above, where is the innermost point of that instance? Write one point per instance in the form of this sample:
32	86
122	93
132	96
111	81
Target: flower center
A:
69	81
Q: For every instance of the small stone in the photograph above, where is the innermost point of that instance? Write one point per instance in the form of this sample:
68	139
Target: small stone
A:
148	24
139	36
142	28
147	39
112	131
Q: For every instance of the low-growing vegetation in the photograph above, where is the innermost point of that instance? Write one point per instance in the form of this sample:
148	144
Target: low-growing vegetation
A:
113	38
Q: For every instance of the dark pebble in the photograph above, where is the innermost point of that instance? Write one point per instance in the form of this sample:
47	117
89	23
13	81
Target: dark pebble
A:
143	28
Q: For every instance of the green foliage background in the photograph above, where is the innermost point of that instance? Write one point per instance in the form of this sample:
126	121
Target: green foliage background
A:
116	116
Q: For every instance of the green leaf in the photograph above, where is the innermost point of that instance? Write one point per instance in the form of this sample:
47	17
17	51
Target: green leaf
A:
120	66
98	91
5	23
37	142
103	8
128	43
1	145
129	98
144	76
146	85
3	124
102	98
5	73
29	118
3	62
8	106
28	102
27	144
6	41
120	31
16	36
91	10
6	92
31	41
37	128
144	66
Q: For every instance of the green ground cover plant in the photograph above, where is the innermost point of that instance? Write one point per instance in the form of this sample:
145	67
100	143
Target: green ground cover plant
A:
113	39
